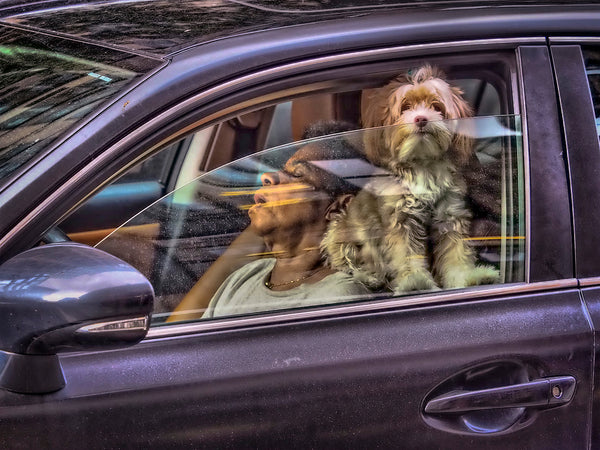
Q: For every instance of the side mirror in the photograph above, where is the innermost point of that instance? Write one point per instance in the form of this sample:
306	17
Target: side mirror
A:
65	297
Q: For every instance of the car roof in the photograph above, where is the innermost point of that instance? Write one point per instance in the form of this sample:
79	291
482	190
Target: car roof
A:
164	27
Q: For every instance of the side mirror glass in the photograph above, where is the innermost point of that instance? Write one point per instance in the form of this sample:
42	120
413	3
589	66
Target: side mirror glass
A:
65	297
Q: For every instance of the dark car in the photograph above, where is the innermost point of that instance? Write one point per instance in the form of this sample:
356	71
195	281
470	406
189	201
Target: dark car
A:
134	140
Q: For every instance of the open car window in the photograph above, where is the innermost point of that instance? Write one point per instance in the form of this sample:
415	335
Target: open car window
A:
177	241
250	131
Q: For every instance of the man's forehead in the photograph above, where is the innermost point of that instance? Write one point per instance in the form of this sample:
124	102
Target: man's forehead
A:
309	152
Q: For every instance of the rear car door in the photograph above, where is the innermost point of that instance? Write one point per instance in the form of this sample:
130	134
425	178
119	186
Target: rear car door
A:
576	64
502	366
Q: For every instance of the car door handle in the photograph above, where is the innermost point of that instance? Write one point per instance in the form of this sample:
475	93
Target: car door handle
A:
538	393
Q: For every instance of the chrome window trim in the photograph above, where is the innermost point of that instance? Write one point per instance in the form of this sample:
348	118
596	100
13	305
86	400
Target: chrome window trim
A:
573	40
587	282
116	326
526	167
273	318
400	51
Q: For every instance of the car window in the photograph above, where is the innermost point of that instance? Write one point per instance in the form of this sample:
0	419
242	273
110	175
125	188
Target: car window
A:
592	65
182	216
241	135
468	232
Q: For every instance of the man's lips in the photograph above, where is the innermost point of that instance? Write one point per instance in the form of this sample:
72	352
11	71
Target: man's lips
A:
295	191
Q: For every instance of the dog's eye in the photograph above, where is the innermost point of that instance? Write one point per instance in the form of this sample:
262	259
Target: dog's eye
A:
404	106
439	107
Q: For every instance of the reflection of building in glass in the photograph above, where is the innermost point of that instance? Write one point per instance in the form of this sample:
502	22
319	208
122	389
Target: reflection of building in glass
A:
22	283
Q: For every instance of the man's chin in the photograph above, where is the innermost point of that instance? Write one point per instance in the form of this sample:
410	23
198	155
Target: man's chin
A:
259	226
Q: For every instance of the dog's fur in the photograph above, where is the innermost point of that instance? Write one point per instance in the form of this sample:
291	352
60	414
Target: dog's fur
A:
407	231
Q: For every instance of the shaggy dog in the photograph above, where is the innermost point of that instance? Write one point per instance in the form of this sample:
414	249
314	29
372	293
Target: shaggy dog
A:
407	231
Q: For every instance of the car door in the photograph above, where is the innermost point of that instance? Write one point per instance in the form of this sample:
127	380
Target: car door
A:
576	66
504	366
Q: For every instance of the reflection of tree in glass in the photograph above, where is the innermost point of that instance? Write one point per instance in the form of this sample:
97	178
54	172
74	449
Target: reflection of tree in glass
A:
593	68
164	26
45	89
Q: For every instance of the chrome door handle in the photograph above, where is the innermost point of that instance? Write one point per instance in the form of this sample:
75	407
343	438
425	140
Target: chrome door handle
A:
538	393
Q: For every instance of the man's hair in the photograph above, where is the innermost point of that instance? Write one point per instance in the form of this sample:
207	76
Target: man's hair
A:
335	148
326	127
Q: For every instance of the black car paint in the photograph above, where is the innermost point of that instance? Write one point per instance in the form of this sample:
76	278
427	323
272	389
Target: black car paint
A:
164	27
547	171
583	150
342	382
50	90
60	298
354	380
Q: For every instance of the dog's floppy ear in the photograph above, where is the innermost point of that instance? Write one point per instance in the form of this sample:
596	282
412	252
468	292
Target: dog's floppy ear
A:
338	206
462	143
374	107
458	108
381	107
368	108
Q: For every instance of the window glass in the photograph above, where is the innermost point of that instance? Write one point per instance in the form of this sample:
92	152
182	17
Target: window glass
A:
592	65
242	135
318	222
45	89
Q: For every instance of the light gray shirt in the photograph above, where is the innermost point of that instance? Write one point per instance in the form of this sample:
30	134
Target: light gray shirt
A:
244	291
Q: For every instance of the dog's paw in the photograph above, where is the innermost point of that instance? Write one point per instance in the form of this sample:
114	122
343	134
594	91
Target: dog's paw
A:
372	280
471	276
482	275
415	281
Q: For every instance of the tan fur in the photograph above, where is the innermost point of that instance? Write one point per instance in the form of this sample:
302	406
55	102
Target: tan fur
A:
384	236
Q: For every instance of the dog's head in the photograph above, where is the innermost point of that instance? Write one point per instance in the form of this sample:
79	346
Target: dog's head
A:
414	107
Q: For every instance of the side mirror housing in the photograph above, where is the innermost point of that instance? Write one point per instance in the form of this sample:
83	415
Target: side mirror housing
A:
65	297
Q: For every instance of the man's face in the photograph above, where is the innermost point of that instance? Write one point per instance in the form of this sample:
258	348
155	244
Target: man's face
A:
290	200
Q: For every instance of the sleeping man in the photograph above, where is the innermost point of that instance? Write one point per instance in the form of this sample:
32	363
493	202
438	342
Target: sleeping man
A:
289	218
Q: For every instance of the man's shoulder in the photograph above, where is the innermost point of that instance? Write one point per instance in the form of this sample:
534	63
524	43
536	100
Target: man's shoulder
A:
262	265
342	284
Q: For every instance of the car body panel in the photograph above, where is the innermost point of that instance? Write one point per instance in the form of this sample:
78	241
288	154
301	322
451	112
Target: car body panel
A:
54	85
591	296
348	381
186	23
546	170
583	151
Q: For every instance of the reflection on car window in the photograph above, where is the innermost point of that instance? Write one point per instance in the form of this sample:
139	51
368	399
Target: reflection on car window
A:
44	90
357	226
592	65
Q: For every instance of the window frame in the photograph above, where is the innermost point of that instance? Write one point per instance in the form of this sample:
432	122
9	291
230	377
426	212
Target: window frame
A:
256	89
582	148
420	299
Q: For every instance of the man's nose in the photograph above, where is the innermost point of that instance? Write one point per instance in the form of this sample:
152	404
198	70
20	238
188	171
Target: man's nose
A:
272	178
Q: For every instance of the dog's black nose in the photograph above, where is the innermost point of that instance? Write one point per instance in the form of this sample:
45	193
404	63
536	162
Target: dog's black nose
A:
420	121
